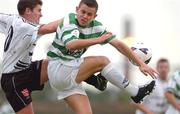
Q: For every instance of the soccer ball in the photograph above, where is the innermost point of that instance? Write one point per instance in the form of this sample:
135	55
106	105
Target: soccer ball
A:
144	52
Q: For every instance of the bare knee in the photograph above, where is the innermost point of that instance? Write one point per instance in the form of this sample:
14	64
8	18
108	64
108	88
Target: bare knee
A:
26	110
79	104
84	112
102	61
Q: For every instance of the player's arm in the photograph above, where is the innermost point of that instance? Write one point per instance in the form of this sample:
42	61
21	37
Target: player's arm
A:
125	50
50	27
172	100
84	43
172	89
142	107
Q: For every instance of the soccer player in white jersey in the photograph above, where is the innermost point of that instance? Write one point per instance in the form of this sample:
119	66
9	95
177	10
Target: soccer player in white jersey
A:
66	68
173	94
156	103
21	76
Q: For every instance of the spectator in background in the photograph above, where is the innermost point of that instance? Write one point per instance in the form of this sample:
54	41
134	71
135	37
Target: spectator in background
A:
156	102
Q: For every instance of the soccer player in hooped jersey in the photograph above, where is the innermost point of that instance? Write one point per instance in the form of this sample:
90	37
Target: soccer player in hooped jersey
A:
21	76
173	94
67	69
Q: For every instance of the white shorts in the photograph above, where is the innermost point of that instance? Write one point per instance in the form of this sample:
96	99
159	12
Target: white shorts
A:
62	77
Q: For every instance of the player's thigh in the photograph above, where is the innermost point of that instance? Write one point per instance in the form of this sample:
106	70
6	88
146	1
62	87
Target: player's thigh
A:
26	110
91	65
44	74
17	90
79	104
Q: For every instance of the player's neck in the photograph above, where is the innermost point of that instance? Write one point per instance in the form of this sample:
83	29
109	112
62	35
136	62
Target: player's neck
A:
162	78
27	19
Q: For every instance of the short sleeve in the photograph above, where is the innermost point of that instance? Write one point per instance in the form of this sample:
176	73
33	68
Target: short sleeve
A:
109	40
5	22
174	84
100	28
171	86
68	34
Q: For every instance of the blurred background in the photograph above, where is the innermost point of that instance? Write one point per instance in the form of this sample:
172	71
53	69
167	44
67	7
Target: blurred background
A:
153	22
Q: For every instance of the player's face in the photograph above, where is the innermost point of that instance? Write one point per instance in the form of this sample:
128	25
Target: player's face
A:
85	14
35	14
163	69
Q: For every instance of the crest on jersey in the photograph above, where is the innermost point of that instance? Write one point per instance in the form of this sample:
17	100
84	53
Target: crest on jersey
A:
75	33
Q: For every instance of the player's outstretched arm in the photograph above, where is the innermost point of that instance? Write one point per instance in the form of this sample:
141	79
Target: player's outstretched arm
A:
172	100
84	43
50	27
142	107
125	50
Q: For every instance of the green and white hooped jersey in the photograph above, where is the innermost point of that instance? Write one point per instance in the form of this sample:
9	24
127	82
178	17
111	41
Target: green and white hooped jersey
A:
69	31
174	85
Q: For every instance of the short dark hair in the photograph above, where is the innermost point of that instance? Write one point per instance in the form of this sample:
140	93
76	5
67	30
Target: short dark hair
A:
162	60
90	3
23	4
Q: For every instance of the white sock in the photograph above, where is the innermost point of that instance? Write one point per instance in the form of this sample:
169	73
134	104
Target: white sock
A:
114	76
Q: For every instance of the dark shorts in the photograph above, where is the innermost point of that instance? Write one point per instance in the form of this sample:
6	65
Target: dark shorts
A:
18	86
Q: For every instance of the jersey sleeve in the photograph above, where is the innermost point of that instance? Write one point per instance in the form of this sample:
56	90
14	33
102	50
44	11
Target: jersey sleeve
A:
68	33
5	21
104	31
109	40
174	84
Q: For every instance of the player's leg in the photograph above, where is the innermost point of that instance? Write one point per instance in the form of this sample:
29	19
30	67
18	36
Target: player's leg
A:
44	74
27	81
91	65
79	104
62	80
94	64
26	110
18	94
98	82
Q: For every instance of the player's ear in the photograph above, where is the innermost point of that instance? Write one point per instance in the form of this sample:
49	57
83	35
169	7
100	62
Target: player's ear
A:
77	8
27	11
95	16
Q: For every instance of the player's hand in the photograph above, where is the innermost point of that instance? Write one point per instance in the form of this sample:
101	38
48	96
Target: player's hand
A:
145	69
104	37
178	107
149	113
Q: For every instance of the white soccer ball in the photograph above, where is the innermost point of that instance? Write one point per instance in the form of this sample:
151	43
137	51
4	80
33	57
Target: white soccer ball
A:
143	51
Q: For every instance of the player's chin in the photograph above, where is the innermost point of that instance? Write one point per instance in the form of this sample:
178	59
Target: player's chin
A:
37	22
83	23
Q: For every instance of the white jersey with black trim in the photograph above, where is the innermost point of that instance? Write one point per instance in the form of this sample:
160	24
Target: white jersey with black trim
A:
21	36
156	101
